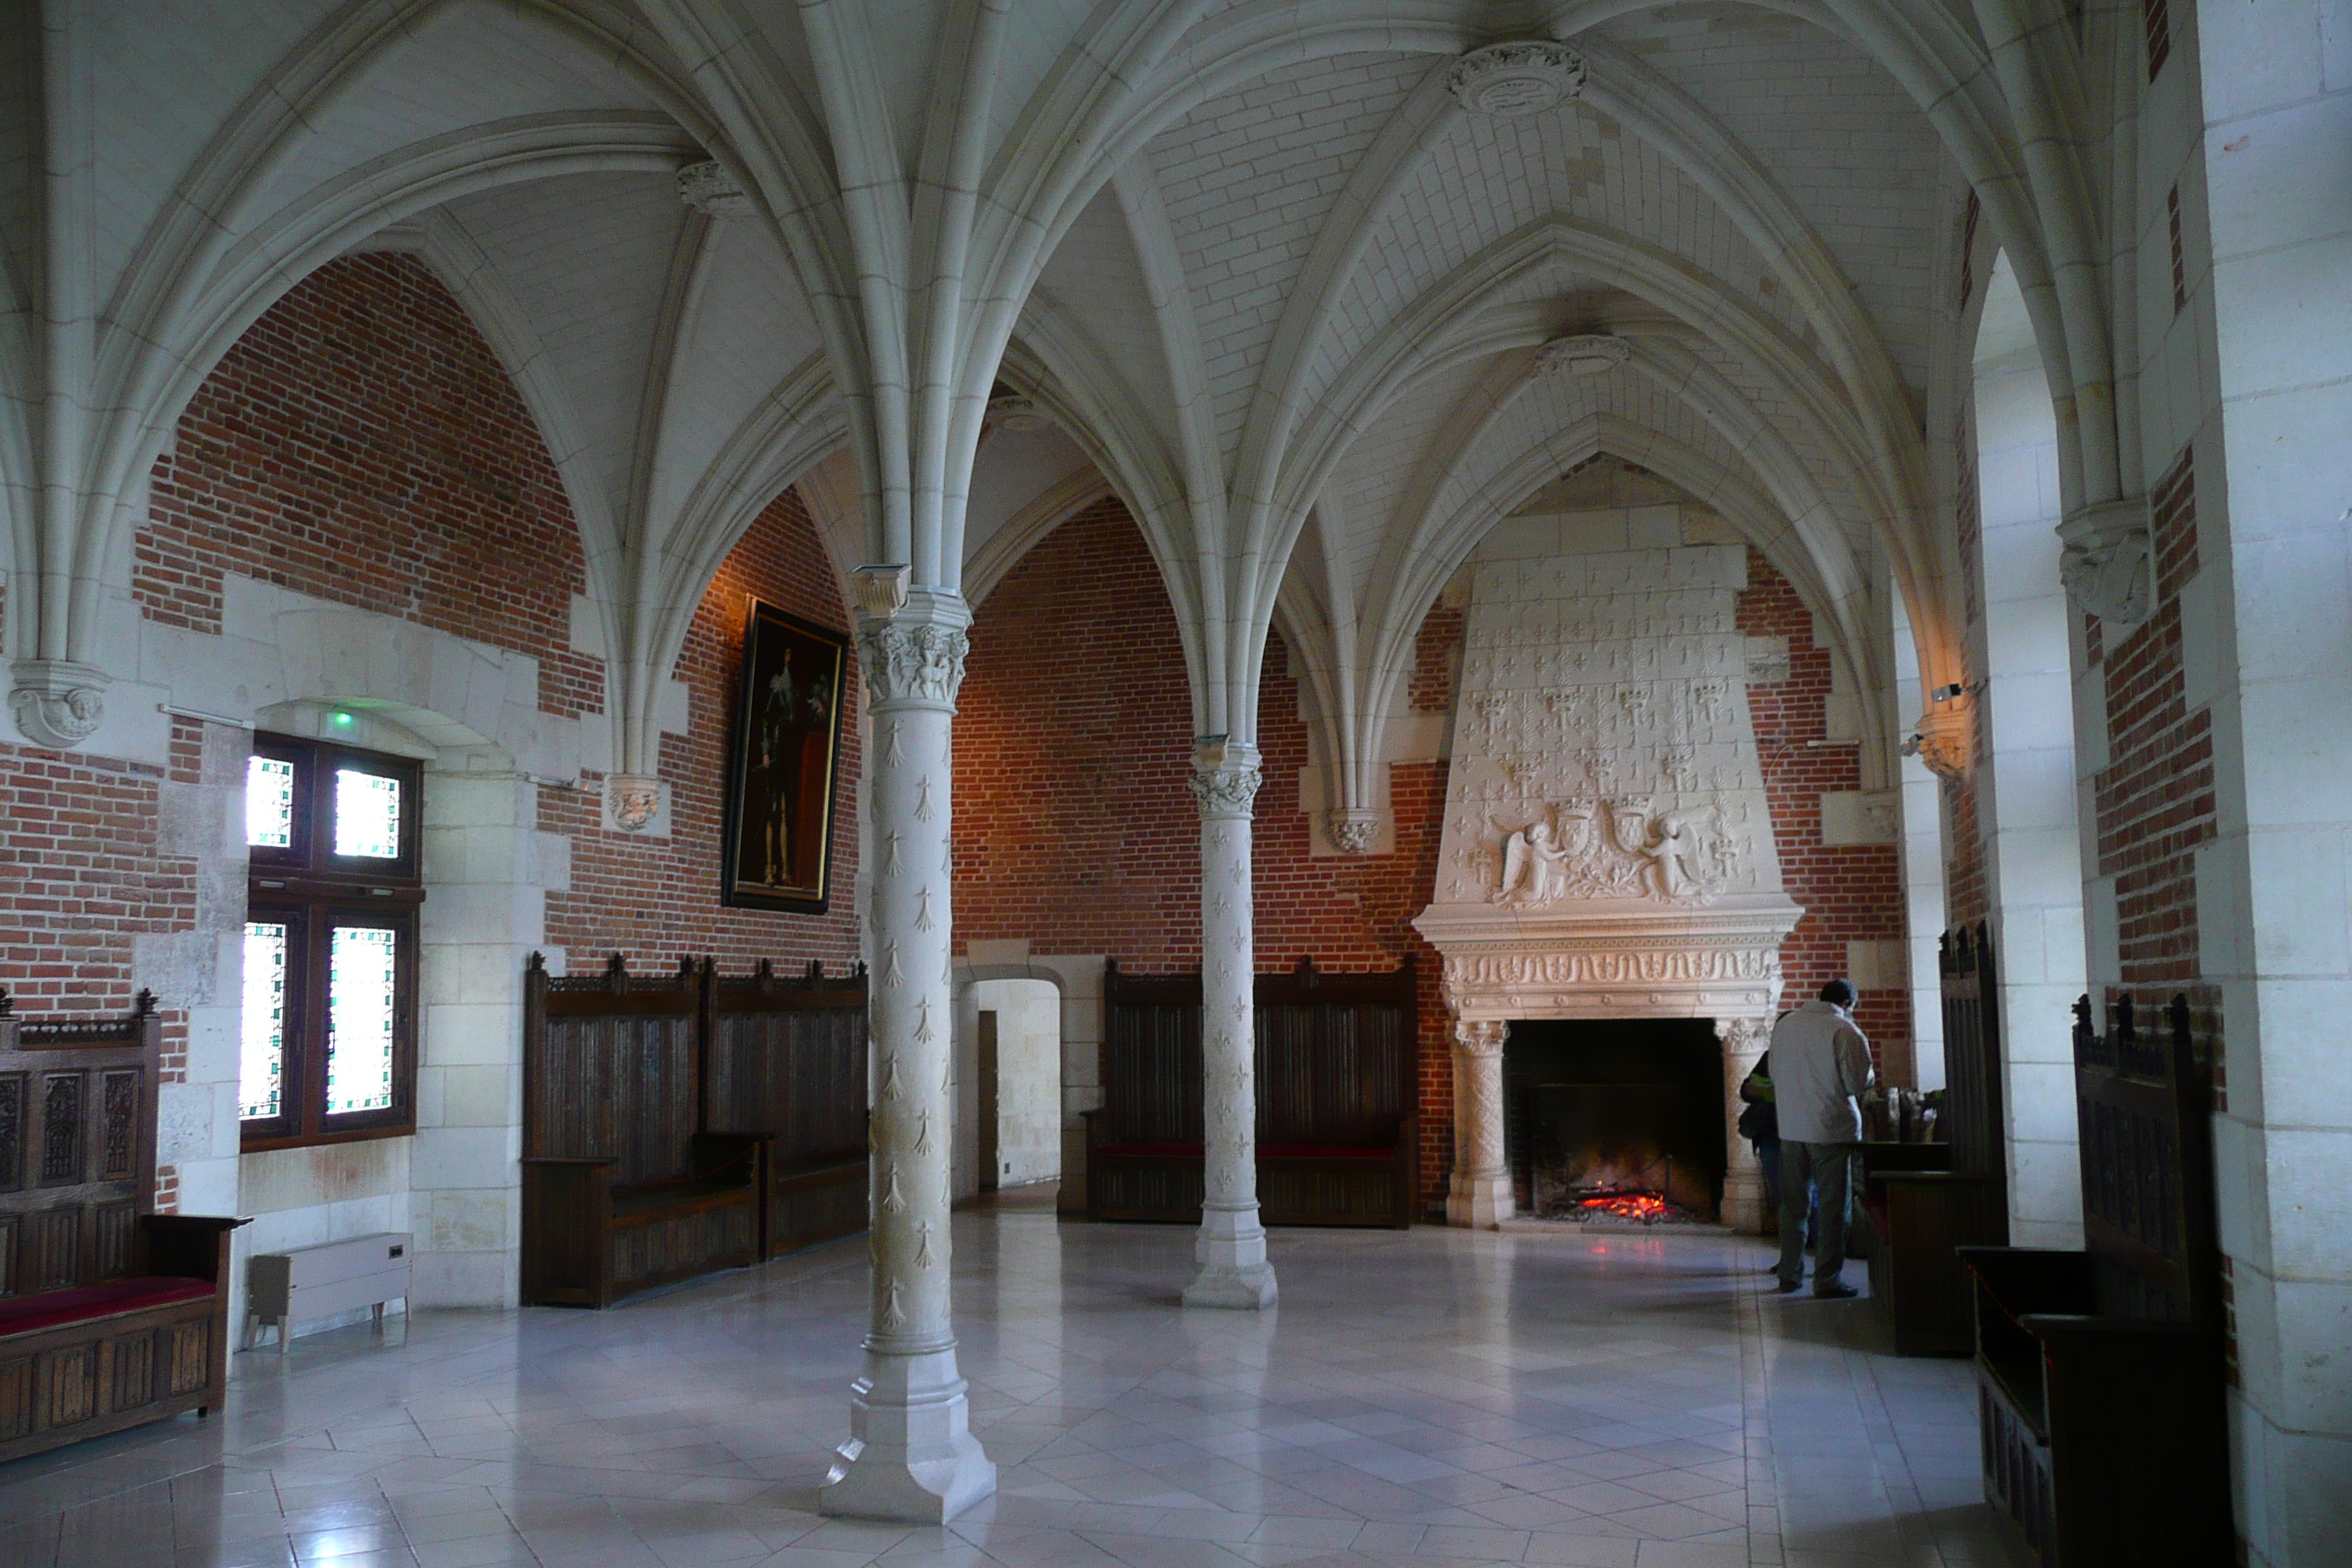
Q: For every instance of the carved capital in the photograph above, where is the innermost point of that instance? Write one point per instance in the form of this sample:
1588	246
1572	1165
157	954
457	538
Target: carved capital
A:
1481	1036
2107	561
1510	80
1353	828
711	189
1225	777
1742	1037
1946	740
59	704
914	658
1584	353
633	801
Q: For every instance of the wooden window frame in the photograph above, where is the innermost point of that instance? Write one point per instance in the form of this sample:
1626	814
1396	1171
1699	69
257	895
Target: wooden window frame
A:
311	890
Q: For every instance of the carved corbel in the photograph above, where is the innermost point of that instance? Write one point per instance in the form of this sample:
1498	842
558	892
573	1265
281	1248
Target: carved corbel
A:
1945	739
633	801
2107	561
59	704
1353	828
711	188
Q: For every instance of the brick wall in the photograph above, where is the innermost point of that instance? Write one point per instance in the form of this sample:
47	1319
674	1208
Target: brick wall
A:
1849	893
654	899
361	444
2155	797
1076	830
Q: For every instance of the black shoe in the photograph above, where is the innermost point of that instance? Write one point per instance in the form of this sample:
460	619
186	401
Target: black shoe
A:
1835	1290
1791	1287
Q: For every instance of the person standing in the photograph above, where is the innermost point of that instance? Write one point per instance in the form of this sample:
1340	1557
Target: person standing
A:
1821	1070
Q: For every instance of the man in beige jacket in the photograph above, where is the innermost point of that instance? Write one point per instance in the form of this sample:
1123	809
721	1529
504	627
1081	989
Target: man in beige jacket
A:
1821	1070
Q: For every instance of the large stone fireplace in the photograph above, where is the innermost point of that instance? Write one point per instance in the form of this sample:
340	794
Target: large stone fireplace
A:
1608	849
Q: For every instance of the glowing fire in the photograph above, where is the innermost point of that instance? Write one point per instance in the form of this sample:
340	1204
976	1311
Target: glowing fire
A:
1646	1207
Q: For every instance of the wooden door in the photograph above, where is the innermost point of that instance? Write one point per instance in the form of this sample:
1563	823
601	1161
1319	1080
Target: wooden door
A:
989	1163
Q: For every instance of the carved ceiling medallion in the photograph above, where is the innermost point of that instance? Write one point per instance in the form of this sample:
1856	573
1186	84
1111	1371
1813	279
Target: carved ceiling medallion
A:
1513	81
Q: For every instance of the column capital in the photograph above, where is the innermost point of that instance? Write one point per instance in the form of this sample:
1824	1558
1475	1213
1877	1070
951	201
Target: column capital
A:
1225	778
1740	1035
2107	560
1481	1036
913	653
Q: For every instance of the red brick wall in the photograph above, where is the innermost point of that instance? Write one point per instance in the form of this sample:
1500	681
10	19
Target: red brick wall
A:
2155	797
1075	829
81	878
1851	893
361	444
654	899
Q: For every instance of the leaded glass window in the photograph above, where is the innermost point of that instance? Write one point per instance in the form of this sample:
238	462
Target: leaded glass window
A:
269	803
362	979
261	1077
367	815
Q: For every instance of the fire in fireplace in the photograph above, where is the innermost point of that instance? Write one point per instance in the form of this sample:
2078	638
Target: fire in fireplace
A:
1618	1119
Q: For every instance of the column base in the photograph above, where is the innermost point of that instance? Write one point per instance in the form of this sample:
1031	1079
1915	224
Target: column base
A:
1480	1203
1745	1201
1231	1250
911	1457
1246	1287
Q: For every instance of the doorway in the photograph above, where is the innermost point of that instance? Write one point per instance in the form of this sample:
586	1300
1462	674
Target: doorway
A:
1012	1113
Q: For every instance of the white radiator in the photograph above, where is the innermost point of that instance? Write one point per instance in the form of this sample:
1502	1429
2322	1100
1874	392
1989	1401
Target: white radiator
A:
284	1287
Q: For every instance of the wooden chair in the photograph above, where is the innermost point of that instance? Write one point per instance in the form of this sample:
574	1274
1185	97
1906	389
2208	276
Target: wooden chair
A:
1927	1200
787	1064
110	1315
621	1190
2100	1373
1338	1128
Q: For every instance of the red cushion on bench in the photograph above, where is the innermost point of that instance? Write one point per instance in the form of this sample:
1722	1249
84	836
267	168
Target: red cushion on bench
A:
1324	1152
49	1309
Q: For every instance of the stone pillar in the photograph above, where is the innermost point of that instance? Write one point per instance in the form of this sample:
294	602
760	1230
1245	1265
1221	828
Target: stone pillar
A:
1231	1244
1745	1201
911	1456
1481	1195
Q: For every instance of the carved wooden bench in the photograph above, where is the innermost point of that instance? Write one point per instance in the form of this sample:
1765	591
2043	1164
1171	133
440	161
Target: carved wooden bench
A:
621	1192
110	1315
787	1063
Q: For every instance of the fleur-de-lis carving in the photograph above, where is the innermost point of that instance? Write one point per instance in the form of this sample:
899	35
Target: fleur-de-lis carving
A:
894	1315
923	1247
923	1131
891	1088
891	866
894	752
923	1032
892	976
893	1200
923	812
923	921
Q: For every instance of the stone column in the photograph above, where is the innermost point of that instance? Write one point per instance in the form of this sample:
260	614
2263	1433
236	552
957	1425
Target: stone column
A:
1481	1195
1745	1201
1231	1244
911	1456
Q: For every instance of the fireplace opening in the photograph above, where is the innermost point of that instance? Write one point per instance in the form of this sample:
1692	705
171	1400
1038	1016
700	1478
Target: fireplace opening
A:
1616	1120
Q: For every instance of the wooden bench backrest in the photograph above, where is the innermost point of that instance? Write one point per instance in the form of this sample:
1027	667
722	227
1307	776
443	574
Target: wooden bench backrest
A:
1336	1056
1972	1118
611	1068
789	1058
1151	1057
76	1146
2143	1105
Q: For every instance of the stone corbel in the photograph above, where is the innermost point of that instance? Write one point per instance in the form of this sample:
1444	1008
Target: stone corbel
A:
1353	828
1945	739
632	802
59	704
2107	561
711	188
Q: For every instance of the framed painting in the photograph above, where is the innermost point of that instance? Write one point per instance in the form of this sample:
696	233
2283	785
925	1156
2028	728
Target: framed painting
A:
784	763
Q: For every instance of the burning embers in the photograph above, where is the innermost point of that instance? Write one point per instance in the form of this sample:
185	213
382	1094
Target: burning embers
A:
1623	1207
1606	1191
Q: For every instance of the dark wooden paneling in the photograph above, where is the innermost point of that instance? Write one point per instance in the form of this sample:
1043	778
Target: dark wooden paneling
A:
2082	1355
788	1062
1334	1080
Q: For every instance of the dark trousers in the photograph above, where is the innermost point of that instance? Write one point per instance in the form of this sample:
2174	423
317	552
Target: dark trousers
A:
1830	1167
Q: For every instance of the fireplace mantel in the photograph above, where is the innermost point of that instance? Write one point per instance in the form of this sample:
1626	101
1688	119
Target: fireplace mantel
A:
1612	958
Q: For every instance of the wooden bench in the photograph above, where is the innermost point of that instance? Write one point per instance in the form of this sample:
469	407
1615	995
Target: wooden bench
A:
2100	1373
110	1315
787	1064
621	1190
1337	1131
1927	1200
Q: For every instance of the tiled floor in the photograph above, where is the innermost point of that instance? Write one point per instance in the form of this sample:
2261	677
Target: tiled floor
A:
1428	1396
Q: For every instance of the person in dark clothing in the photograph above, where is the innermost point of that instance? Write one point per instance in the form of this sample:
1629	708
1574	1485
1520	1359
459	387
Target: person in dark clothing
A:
1761	1125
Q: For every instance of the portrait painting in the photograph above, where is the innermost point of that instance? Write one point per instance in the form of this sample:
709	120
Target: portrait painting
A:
779	795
